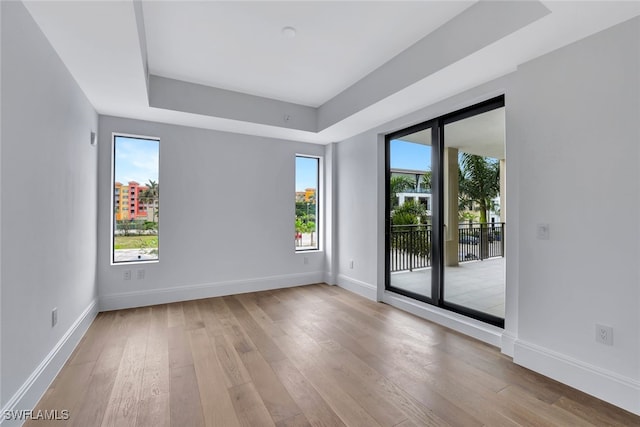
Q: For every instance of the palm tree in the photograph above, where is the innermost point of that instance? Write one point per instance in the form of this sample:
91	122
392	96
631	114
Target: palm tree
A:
479	182
399	184
150	195
426	180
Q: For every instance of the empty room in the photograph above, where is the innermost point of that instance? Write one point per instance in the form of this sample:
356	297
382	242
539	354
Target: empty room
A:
324	213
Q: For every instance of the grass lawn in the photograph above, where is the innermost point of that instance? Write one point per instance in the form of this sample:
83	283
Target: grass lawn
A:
135	242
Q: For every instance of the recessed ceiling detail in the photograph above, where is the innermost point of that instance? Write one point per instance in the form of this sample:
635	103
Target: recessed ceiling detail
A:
397	73
235	45
351	65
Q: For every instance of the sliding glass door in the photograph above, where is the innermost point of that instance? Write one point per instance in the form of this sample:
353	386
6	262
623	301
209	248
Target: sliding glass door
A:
410	204
445	227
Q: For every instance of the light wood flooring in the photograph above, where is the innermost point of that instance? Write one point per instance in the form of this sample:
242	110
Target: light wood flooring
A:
313	355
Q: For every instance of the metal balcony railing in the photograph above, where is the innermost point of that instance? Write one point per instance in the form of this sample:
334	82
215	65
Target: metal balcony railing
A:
480	241
411	244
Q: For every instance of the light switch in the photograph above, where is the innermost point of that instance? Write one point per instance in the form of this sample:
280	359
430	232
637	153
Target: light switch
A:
543	231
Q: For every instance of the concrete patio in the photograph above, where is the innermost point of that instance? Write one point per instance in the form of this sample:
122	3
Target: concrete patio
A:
479	285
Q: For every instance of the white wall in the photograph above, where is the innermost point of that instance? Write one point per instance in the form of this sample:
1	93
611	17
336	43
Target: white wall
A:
226	217
48	228
357	207
574	118
572	133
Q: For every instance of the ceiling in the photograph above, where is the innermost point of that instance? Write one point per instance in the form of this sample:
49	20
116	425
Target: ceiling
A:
351	65
482	134
240	45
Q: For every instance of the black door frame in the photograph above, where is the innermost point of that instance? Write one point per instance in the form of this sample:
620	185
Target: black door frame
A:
437	126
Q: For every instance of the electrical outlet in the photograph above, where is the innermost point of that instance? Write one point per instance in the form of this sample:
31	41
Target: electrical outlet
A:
351	264
54	316
140	275
127	275
306	260
604	334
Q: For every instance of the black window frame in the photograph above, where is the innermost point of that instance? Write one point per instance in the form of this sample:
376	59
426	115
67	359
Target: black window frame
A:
126	195
437	126
317	199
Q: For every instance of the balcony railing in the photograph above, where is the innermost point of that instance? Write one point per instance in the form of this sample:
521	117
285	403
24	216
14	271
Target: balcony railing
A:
410	247
411	244
480	241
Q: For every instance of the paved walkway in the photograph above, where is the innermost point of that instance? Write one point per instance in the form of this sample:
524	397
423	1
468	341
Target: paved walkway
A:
120	255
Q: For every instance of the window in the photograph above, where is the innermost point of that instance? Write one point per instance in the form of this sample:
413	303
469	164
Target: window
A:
306	199
136	199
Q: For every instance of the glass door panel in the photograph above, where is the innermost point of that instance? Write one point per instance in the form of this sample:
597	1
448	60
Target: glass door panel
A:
410	231
474	277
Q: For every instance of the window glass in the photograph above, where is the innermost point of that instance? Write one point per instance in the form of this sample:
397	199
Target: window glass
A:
136	199
307	213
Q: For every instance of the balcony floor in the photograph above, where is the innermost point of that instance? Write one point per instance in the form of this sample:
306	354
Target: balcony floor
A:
479	285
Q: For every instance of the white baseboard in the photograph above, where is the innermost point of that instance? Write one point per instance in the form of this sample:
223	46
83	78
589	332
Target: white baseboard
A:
206	290
508	344
41	378
608	386
474	328
330	278
363	289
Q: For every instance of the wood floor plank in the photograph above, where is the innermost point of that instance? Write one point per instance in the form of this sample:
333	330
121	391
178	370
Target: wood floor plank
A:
238	338
601	413
153	409
192	318
216	403
259	316
209	317
66	393
421	414
271	306
249	407
125	395
301	351
179	352
373	380
551	414
234	371
378	407
175	315
184	398
274	395
443	406
258	336
93	404
482	406
93	341
315	355
296	421
316	410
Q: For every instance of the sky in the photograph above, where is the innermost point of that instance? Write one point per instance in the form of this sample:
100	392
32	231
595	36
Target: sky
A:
404	155
136	160
408	155
306	173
